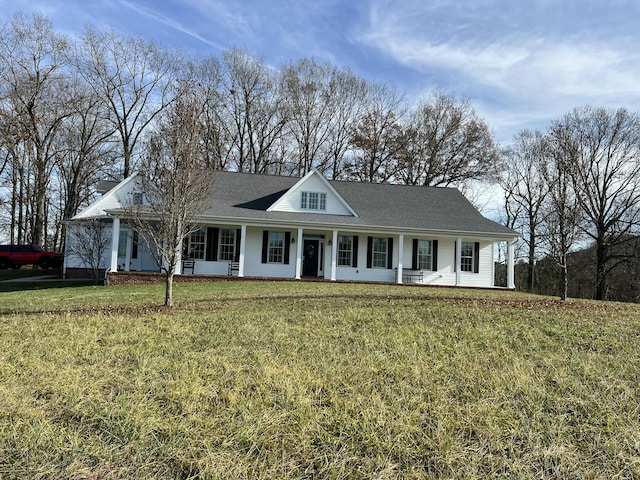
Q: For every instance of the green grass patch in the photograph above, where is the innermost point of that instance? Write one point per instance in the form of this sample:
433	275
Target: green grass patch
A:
292	380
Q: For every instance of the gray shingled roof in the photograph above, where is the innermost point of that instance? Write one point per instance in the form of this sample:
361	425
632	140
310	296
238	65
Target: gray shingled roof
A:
380	206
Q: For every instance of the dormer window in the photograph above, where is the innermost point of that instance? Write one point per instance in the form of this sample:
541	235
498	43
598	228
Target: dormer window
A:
313	201
137	198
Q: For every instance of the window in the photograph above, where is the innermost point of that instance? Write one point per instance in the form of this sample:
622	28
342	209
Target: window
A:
227	245
137	198
466	258
379	253
424	255
345	251
275	249
122	243
313	201
196	244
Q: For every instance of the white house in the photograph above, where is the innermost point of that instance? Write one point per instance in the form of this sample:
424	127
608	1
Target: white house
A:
284	227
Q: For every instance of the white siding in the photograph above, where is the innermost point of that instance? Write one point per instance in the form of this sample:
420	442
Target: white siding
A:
363	274
144	263
116	198
484	277
292	200
253	266
445	274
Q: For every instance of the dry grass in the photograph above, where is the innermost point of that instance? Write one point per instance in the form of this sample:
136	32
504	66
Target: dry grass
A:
296	380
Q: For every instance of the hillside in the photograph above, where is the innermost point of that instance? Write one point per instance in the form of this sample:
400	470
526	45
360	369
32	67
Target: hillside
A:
315	380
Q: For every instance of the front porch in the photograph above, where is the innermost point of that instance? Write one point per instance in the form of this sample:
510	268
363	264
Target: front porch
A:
274	252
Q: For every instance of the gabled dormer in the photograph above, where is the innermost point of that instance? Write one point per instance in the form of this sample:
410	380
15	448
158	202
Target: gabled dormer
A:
124	194
313	194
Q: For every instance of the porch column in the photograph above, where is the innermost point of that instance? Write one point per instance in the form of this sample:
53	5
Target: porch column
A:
243	243
458	260
299	255
115	237
334	254
510	265
400	255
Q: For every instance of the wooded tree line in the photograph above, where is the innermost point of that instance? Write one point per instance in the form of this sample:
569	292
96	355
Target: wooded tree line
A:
99	106
576	186
78	110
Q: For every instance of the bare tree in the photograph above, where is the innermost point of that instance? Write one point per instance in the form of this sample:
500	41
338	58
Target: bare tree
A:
522	180
176	188
84	152
606	148
253	112
89	241
33	88
563	219
377	136
132	76
348	93
446	144
307	91
206	78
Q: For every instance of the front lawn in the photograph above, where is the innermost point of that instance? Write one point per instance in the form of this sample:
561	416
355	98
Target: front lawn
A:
316	380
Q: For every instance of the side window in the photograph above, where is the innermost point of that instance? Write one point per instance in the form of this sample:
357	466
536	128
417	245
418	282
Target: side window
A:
345	251
313	201
379	252
275	252
122	243
466	258
227	245
195	248
424	255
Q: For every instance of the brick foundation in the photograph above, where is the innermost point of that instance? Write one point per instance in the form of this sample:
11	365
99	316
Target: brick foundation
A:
143	278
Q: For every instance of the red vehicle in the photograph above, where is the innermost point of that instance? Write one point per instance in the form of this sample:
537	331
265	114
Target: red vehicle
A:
15	256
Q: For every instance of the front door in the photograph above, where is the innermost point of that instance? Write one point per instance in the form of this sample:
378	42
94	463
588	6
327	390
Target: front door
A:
310	253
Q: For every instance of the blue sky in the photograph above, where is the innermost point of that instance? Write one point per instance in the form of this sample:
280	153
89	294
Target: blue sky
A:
520	63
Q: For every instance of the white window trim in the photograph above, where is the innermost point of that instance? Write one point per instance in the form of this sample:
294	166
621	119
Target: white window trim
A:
350	250
232	245
463	266
429	265
271	247
190	243
319	200
376	240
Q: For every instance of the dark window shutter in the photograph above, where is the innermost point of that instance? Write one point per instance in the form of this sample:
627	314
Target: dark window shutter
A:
434	255
134	247
369	251
236	256
390	253
354	252
287	245
265	245
414	255
476	257
212	244
455	255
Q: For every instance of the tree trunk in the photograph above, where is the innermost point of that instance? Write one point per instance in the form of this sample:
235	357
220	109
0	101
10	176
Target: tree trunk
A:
168	295
564	280
531	274
602	252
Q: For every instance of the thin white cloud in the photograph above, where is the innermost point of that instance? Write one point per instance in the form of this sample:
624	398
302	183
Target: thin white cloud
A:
165	20
512	69
537	67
